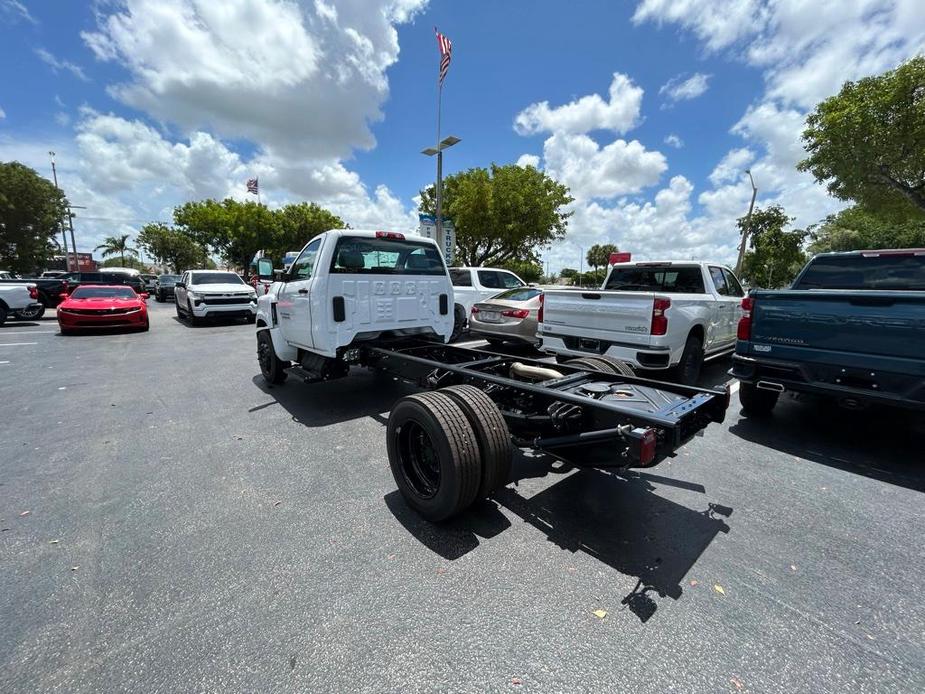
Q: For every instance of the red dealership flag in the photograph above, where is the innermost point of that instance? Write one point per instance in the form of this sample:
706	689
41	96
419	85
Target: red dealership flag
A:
446	50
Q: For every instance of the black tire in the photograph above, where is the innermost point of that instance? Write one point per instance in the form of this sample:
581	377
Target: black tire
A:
189	312
459	322
4	312
65	331
251	319
32	315
755	401
688	369
433	455
146	327
179	312
611	365
588	363
492	434
159	297
272	367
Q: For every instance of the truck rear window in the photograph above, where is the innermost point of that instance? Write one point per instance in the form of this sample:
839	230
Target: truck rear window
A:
897	272
369	256
679	280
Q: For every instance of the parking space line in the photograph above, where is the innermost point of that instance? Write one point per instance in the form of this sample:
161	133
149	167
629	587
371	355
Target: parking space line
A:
17	344
28	332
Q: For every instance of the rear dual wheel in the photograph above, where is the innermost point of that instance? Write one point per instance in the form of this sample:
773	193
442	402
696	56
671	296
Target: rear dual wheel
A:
447	449
602	363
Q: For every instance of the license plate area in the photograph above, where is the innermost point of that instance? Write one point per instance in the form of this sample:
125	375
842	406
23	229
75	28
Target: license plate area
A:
589	345
491	316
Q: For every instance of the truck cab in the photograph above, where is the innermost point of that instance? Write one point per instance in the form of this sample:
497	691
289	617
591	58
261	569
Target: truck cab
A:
348	287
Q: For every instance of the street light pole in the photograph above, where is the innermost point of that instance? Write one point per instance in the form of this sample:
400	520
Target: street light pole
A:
54	175
748	224
445	143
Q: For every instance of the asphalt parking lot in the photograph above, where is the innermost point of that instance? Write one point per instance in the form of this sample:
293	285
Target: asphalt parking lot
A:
170	524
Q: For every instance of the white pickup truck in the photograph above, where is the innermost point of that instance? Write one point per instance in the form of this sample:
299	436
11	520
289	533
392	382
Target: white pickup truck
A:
18	300
653	315
349	287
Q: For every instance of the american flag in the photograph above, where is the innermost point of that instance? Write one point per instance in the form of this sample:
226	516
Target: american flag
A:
446	49
252	186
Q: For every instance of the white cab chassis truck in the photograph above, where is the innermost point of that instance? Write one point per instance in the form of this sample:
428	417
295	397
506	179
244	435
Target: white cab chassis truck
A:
384	301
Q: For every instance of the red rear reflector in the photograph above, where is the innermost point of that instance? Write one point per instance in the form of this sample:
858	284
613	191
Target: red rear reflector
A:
647	441
390	235
516	313
659	319
539	314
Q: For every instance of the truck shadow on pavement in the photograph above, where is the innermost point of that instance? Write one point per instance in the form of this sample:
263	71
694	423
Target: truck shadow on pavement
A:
614	518
881	444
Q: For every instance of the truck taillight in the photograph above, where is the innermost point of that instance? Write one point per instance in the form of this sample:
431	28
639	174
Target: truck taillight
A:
475	309
659	319
744	331
516	313
539	314
390	235
33	293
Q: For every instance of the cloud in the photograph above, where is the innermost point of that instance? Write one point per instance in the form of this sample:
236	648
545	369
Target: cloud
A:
592	171
255	70
676	89
529	160
732	166
619	114
57	65
717	24
673	140
17	11
2	113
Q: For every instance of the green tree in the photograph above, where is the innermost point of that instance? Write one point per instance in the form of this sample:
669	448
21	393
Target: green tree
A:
867	143
297	224
172	247
31	209
116	245
503	213
599	254
128	262
776	256
527	271
235	230
858	228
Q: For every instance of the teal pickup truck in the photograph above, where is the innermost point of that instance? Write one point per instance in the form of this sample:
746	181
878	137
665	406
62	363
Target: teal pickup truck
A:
850	328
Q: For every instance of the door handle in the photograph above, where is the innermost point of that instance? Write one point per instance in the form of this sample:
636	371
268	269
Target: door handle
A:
303	291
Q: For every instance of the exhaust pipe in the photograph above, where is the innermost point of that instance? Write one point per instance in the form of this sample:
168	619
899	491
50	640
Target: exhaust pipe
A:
770	385
534	373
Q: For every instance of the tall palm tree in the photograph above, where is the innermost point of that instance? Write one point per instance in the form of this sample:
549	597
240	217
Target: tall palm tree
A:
113	245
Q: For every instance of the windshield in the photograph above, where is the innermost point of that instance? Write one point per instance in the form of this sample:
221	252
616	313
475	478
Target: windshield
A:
522	294
678	280
376	256
168	278
898	272
103	293
215	278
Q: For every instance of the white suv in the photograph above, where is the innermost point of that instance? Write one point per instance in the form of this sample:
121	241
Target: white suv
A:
214	294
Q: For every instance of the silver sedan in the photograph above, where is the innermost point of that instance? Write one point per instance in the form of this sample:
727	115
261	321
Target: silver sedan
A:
508	316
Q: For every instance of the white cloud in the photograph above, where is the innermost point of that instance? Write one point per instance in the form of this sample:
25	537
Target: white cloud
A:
718	24
304	81
619	114
17	10
732	166
2	113
591	171
673	140
529	160
62	119
678	89
57	65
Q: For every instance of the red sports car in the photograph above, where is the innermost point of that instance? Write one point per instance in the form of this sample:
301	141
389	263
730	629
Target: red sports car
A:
103	306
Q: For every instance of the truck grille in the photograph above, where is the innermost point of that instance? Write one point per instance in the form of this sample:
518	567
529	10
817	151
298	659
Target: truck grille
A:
226	299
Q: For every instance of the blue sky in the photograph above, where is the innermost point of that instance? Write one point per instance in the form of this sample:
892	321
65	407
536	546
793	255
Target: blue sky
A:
650	111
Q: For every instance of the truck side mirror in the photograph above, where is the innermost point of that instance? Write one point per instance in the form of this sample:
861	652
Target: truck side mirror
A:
265	268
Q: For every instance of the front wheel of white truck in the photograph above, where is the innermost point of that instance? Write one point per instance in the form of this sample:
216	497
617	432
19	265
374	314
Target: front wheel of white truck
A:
272	367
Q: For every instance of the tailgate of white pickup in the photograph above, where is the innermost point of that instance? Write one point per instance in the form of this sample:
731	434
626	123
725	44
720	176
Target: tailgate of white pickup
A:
599	315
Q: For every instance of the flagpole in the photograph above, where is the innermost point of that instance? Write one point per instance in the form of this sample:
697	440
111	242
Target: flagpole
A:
438	222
